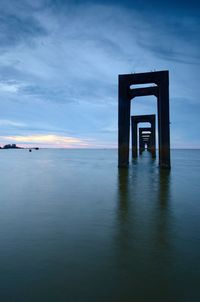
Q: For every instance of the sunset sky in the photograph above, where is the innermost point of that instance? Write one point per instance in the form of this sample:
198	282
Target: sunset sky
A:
60	60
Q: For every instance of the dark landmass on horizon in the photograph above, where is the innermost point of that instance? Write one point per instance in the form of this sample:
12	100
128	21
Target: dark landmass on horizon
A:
11	146
14	146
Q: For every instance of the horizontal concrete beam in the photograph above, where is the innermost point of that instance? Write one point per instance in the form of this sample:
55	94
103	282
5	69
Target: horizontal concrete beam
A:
145	91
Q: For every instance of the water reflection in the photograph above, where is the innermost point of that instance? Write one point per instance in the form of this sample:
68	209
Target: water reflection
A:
163	216
143	247
123	236
144	193
164	187
136	180
124	197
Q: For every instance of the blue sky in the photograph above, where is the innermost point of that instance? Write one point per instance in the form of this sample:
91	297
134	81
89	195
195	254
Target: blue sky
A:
60	60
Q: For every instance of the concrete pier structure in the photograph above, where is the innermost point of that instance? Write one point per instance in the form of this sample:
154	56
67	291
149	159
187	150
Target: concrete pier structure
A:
145	138
135	120
126	93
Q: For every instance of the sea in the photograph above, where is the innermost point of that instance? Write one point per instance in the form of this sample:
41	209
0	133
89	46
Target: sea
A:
76	228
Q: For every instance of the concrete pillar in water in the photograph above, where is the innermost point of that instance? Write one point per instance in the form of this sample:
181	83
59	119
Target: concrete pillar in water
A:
145	133
126	94
135	120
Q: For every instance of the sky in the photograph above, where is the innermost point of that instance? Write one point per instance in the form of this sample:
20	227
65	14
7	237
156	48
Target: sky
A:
60	61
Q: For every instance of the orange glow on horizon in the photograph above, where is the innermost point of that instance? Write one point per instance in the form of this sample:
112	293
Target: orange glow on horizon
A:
47	140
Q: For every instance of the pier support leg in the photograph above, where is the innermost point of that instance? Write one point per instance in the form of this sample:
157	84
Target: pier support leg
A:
163	118
123	124
134	132
153	138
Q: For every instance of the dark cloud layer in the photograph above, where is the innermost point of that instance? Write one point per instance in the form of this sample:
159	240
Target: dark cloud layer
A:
17	24
15	30
59	63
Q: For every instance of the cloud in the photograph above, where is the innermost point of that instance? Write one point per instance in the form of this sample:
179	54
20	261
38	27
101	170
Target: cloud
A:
173	38
18	24
11	123
76	62
59	63
47	139
10	86
87	46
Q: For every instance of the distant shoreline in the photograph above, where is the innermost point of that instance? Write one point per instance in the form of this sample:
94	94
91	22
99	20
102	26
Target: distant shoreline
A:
14	146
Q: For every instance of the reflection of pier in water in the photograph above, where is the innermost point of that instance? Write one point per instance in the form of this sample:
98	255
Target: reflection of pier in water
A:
143	230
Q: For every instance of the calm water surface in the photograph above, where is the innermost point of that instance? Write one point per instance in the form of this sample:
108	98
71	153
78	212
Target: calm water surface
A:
73	227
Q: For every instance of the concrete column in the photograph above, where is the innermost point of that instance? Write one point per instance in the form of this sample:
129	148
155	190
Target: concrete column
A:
163	117
159	131
134	131
161	91
153	137
141	142
123	123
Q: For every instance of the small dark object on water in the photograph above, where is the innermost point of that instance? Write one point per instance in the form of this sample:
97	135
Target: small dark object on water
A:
30	150
37	148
